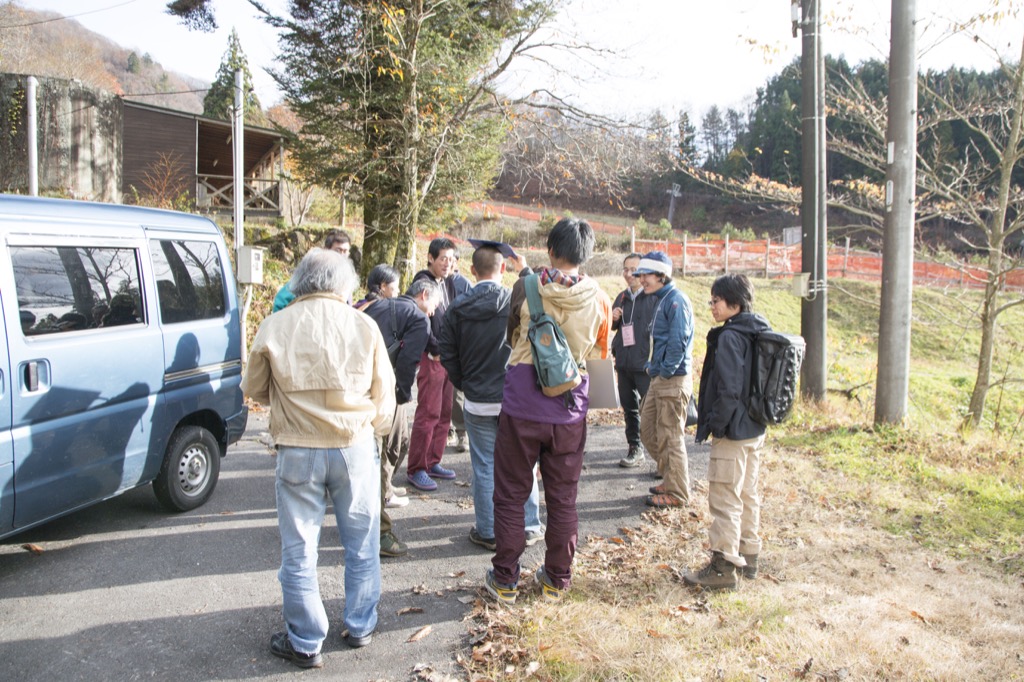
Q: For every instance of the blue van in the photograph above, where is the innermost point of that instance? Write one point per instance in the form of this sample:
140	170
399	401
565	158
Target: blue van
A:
120	357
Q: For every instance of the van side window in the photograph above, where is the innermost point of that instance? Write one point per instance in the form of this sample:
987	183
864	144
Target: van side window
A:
189	280
68	288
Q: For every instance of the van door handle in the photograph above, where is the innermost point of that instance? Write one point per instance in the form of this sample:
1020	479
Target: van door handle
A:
32	376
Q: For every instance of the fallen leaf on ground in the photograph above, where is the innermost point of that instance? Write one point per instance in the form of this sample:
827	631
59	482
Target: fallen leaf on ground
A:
409	609
35	549
921	618
420	634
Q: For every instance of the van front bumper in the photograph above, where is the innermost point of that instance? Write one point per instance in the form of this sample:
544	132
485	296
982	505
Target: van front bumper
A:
236	425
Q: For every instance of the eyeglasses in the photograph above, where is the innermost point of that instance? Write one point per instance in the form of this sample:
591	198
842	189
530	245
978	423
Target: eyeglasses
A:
714	301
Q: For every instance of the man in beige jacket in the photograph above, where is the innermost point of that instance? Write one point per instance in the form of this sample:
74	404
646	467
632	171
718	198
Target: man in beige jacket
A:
323	368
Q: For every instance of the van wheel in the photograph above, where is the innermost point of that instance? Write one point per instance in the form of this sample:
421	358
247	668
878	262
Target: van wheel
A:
190	469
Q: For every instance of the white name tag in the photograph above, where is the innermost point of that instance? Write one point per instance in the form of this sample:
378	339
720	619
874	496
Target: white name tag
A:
628	339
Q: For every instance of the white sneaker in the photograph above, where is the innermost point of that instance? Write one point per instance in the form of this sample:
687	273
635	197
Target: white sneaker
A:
395	502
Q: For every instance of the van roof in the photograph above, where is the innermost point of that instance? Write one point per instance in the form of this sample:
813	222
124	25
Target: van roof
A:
63	209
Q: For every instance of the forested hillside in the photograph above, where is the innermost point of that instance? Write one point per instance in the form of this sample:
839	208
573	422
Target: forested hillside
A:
29	44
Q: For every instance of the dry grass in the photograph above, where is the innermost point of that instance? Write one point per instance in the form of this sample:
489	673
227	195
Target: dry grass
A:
838	598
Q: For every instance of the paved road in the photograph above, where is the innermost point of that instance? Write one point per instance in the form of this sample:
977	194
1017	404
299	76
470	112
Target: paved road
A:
123	591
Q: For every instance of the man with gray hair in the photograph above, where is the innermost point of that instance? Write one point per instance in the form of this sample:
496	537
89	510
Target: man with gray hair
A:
323	368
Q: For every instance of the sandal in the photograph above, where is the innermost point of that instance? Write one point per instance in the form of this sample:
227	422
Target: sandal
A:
664	501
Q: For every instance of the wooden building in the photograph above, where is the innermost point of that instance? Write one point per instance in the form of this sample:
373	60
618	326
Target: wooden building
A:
96	146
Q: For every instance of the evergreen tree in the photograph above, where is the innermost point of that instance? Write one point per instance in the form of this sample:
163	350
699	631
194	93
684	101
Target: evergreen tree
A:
220	98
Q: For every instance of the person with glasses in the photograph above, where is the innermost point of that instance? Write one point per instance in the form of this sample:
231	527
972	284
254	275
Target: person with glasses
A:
434	393
632	312
736	439
663	412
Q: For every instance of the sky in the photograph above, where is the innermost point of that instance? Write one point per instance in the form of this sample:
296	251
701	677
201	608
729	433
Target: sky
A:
669	55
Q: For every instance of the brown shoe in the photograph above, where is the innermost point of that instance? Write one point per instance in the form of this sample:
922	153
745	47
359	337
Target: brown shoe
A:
719	574
664	501
657	489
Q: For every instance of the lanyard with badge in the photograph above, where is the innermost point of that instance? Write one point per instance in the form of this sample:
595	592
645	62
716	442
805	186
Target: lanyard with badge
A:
628	337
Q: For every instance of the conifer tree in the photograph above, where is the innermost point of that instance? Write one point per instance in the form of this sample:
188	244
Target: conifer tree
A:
220	99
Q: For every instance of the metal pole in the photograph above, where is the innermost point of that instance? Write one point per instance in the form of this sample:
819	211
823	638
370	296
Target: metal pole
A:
33	137
767	256
893	379
813	310
239	161
725	255
238	172
685	240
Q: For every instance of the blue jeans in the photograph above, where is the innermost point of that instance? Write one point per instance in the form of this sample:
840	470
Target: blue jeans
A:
482	431
305	479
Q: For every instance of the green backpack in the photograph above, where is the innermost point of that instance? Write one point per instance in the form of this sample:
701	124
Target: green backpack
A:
557	371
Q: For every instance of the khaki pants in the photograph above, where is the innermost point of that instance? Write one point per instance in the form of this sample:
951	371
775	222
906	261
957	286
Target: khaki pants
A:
662	428
393	449
732	497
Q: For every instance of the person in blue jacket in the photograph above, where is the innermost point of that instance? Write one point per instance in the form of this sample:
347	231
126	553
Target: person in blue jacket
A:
663	412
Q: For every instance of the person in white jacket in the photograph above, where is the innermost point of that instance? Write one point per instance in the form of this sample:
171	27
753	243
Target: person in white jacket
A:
323	368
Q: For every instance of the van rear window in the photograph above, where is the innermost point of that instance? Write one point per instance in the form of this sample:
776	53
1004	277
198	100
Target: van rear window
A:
189	280
67	288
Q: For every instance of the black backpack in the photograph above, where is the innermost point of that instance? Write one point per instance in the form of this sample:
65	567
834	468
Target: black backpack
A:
774	374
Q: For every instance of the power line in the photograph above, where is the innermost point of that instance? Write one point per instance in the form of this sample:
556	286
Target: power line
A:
70	16
153	94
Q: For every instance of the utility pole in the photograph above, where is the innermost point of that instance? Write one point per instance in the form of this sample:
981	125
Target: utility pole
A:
893	379
814	308
675	194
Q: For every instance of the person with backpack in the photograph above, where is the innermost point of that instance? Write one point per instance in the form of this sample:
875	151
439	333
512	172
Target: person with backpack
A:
663	412
535	427
736	438
631	322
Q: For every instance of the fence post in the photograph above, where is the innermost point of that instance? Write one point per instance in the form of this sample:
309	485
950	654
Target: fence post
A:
727	254
632	239
846	257
767	255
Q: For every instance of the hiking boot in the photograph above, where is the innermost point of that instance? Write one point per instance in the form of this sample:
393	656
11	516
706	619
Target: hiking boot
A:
477	539
505	594
750	570
420	479
634	458
356	642
438	471
534	536
719	574
462	444
281	646
392	546
394	502
547	589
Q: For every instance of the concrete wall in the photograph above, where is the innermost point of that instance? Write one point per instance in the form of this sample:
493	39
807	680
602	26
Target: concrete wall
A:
79	139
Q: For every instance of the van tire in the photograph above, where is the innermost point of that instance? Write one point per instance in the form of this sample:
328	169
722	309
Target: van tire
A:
189	471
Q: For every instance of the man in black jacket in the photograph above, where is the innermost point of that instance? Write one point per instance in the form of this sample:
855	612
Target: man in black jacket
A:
475	353
434	391
406	319
632	313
